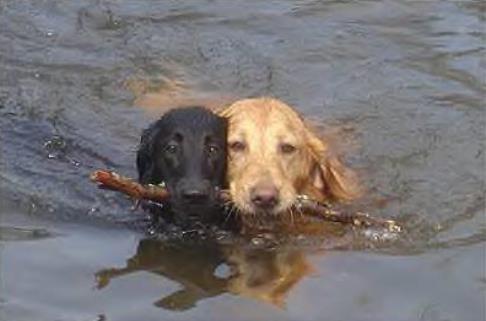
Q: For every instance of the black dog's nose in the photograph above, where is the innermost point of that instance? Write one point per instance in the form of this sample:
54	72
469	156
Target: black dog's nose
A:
195	195
264	196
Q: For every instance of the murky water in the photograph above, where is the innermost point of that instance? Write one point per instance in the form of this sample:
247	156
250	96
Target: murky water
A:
399	84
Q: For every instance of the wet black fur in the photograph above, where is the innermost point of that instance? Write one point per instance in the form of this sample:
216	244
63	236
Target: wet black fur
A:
186	149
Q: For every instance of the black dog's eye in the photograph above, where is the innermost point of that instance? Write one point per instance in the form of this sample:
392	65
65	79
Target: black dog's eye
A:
212	149
171	148
237	146
287	148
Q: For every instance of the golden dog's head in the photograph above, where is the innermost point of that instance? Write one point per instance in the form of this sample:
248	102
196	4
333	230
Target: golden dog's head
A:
274	156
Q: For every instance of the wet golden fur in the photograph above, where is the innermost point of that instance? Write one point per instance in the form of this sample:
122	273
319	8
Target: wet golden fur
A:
269	143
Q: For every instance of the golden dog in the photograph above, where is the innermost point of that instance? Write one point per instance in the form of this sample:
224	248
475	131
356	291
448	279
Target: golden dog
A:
274	156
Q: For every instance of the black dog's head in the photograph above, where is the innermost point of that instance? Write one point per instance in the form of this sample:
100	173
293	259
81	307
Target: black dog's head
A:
185	149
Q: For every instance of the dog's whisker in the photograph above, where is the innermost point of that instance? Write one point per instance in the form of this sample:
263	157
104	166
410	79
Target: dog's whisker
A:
291	216
253	218
299	210
232	210
257	219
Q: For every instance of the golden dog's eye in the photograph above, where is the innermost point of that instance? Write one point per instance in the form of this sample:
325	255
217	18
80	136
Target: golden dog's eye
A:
237	146
287	148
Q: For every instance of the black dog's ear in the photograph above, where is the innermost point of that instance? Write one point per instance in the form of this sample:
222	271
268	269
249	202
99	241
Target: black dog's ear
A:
147	169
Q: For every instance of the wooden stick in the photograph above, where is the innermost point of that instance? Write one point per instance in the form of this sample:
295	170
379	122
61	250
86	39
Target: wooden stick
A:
159	194
113	181
327	213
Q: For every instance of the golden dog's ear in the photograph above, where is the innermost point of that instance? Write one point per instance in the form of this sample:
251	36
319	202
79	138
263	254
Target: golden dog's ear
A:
328	174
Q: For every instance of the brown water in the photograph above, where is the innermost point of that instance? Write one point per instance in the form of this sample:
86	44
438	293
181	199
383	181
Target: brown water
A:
401	83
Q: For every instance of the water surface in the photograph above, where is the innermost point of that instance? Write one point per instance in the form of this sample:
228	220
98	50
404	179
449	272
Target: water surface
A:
399	85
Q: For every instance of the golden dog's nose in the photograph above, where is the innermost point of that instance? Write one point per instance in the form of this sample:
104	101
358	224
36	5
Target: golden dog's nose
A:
264	196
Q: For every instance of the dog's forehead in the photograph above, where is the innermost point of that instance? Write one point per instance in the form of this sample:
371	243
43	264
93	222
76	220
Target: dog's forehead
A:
199	122
192	121
269	123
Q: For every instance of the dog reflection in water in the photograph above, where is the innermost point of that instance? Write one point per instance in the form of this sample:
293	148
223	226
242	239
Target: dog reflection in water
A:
266	275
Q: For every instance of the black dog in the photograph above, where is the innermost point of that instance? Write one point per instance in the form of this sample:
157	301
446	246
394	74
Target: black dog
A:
186	150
